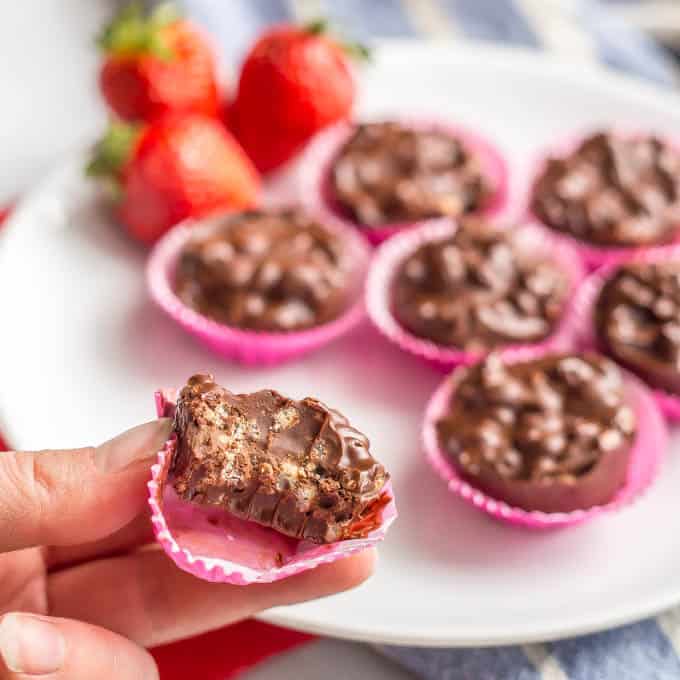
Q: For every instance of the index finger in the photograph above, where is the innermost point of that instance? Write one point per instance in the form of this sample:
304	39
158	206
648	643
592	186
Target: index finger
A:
146	598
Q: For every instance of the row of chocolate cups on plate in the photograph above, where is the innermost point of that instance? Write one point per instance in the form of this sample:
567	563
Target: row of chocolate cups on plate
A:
290	289
282	286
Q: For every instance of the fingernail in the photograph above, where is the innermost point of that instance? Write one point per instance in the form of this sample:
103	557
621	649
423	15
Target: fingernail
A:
31	645
137	444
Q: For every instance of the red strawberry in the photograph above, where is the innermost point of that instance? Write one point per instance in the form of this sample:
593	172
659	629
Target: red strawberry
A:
295	81
155	64
177	167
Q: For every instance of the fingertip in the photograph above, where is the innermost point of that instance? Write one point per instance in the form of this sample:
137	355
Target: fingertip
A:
353	571
366	564
327	579
164	426
137	444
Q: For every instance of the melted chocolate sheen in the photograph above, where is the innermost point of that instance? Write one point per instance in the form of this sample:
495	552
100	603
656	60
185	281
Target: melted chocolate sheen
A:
534	433
637	316
296	466
387	172
612	191
477	290
269	271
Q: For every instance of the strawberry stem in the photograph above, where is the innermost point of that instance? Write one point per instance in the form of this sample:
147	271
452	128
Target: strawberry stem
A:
132	32
357	50
164	14
316	27
354	50
111	153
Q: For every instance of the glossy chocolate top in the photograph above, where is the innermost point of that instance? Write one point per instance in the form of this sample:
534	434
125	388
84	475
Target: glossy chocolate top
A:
268	271
612	191
638	319
478	290
296	466
389	172
546	420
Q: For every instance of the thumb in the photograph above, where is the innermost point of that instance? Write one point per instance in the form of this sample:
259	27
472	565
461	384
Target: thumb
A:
76	496
60	649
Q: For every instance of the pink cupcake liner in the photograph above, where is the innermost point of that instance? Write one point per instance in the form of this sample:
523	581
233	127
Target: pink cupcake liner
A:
648	450
593	256
247	346
315	167
391	254
215	546
582	312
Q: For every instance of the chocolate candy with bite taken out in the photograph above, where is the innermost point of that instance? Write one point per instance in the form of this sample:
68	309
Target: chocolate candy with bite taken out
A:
295	466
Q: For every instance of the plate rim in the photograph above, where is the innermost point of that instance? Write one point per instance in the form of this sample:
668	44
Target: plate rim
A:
495	638
493	56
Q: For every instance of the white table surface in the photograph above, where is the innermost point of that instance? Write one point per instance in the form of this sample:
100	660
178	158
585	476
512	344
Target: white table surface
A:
50	107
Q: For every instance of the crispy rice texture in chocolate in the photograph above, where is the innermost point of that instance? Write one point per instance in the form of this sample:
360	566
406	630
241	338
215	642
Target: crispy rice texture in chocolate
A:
612	191
637	317
552	434
477	290
295	466
266	271
388	172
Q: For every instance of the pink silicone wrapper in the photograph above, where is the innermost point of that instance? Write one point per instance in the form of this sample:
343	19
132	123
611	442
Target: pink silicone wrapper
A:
318	159
584	306
648	449
392	254
593	256
216	546
247	346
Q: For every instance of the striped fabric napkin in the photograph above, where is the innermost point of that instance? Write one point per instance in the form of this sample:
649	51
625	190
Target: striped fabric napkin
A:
584	30
591	30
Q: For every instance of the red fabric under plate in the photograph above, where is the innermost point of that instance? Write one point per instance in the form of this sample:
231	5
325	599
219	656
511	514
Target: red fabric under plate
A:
223	653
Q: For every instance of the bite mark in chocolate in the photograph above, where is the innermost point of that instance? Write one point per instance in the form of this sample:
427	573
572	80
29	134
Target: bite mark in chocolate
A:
552	434
478	290
637	317
296	466
612	191
267	271
389	172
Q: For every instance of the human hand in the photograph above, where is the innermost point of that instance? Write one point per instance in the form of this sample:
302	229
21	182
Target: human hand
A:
83	588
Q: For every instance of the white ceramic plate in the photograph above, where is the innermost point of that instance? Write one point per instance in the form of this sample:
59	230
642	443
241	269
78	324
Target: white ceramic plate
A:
83	350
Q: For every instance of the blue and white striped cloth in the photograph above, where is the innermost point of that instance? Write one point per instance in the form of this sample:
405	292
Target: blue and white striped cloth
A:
578	29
